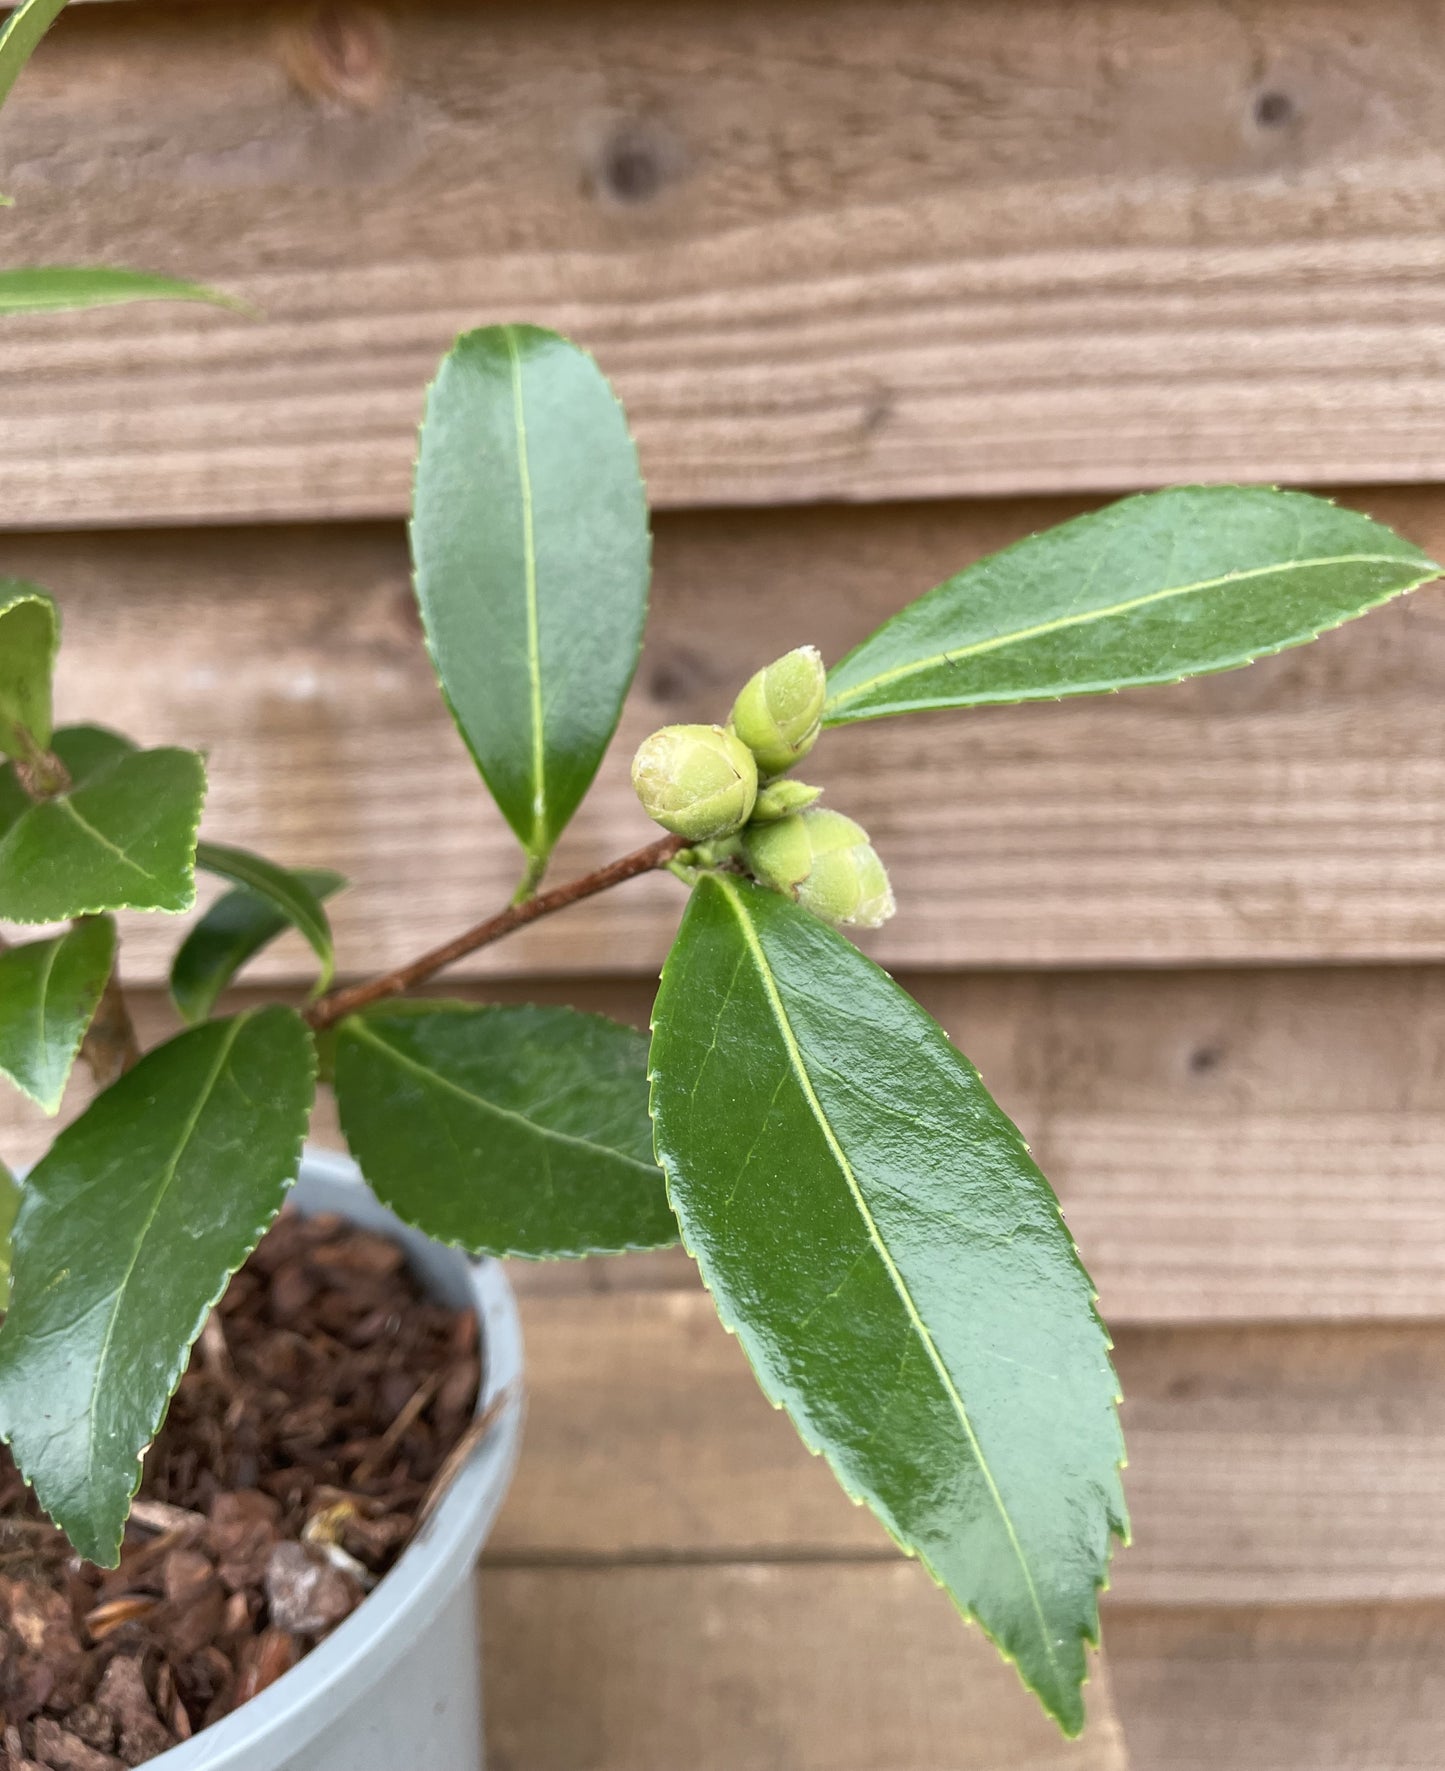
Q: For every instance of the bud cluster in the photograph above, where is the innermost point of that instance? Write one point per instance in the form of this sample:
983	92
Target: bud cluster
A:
719	785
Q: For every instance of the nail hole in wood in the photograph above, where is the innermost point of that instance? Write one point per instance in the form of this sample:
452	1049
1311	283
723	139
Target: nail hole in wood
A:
1274	110
632	166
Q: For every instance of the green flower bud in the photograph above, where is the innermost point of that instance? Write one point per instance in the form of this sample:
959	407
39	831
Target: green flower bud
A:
781	798
824	861
697	781
777	715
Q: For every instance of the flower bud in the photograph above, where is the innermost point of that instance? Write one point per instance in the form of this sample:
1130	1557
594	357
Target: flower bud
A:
782	797
778	713
697	781
824	861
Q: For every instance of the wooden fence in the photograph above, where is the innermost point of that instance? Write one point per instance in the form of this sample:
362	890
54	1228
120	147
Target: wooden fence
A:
842	257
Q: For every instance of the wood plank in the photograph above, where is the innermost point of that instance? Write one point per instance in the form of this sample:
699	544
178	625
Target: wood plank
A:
1293	811
825	1668
1228	1146
828	250
1352	1688
1265	1465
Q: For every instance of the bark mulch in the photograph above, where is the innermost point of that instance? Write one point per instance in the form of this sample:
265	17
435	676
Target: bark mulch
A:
313	1427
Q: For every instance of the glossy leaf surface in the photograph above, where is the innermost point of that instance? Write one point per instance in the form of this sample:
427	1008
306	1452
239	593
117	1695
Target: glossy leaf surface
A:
875	1233
532	556
20	35
122	837
234	929
286	891
517	1131
49	992
29	636
55	288
1151	590
128	1232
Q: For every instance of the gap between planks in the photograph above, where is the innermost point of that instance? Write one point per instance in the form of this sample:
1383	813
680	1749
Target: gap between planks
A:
1266	1465
1294	811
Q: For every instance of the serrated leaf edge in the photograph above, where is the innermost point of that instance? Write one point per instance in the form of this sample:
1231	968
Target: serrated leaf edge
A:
498	1253
537	857
1118	1523
105	909
1430	572
183	1358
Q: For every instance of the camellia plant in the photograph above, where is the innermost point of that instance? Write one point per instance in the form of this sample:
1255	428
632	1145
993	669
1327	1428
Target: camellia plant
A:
867	1219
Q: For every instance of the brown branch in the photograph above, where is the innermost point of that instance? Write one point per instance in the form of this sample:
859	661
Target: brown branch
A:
332	1008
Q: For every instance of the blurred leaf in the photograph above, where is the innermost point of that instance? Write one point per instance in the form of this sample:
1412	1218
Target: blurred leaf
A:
49	992
1151	590
29	637
520	1131
235	928
532	556
287	892
20	34
895	1266
122	837
128	1231
53	288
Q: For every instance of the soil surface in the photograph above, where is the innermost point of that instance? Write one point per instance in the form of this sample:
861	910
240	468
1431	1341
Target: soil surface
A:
325	1409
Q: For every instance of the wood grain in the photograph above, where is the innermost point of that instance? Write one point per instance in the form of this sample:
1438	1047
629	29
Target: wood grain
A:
1265	1465
828	250
1292	811
1352	1688
757	1668
1228	1146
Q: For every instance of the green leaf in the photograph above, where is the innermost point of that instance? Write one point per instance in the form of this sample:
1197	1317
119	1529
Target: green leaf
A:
128	1231
287	892
518	1131
1151	590
532	556
49	992
29	638
9	1205
83	750
52	288
895	1266
19	36
122	837
235	928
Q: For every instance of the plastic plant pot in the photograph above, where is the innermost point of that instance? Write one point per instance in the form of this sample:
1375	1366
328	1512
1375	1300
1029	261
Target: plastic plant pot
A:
399	1682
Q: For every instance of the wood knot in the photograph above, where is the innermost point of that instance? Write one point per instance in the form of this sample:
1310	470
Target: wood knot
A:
1274	109
339	54
633	161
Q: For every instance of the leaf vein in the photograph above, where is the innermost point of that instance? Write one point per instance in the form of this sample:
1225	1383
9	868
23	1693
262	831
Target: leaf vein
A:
1018	636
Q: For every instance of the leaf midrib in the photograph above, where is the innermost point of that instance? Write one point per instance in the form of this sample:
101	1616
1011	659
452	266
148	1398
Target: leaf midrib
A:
1020	635
529	556
359	1028
799	1068
187	1133
99	836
